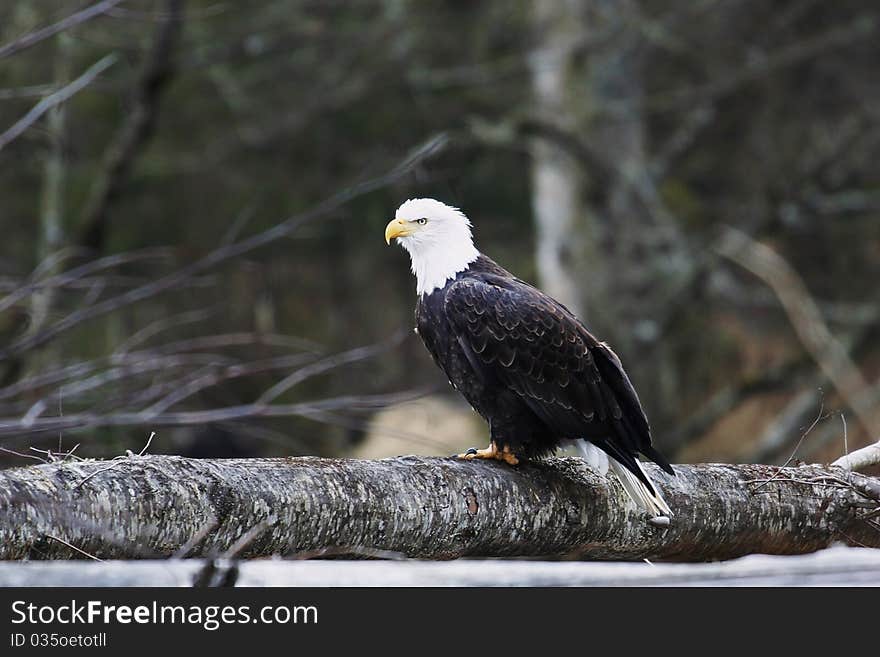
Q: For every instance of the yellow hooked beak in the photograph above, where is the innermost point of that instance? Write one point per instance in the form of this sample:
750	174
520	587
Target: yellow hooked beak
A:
397	228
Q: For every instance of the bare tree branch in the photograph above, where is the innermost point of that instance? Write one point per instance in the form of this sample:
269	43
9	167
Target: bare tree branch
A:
28	91
77	273
806	318
864	27
147	383
135	130
308	410
78	18
227	252
325	365
60	96
860	459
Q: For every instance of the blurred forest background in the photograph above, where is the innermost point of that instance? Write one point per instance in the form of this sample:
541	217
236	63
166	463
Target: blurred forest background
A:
194	194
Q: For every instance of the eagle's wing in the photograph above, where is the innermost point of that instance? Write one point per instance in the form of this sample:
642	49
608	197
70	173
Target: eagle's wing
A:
519	336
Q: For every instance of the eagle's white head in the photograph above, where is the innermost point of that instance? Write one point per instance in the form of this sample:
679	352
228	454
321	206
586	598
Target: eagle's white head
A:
438	239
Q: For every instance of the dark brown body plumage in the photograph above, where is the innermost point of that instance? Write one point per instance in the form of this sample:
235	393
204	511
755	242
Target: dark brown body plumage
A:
531	369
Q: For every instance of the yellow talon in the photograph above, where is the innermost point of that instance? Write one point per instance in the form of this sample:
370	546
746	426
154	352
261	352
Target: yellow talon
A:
507	456
491	452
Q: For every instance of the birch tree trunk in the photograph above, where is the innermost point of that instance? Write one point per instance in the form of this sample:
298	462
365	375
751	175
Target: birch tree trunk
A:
607	246
596	233
50	234
567	250
434	508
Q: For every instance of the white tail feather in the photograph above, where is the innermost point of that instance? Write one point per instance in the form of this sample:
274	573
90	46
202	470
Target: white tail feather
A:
651	503
595	457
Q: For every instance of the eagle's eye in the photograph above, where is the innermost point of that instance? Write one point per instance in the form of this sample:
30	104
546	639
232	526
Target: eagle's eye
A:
422	221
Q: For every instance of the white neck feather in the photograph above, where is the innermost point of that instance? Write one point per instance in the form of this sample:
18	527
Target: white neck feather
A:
434	264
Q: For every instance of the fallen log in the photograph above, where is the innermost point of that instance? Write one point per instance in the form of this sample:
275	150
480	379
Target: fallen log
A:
432	508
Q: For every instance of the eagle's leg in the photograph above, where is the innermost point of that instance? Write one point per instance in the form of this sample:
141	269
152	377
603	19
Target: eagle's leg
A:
491	452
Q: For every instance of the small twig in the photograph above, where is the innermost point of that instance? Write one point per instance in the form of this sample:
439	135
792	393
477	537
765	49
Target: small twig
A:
70	454
61	414
47	452
234	230
326	364
24	456
28	91
147	446
116	461
853	541
60	96
158	326
81	16
33	413
248	537
812	426
799	443
94	292
73	547
244	338
197	538
55	457
806	482
78	273
867	487
79	421
216	373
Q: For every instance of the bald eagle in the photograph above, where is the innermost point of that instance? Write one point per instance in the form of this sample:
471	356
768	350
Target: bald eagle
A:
522	360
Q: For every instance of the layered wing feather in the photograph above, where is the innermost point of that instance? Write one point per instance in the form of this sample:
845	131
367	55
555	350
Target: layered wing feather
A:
519	336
